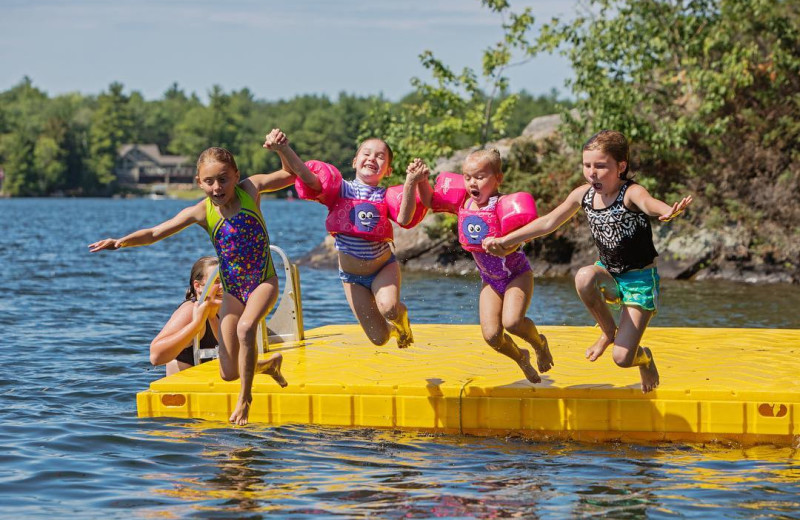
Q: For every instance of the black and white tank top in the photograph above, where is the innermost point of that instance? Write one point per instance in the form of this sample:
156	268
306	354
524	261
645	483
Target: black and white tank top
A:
623	237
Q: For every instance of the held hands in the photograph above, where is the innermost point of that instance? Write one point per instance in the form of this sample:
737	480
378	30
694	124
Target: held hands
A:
275	140
417	172
496	247
676	209
108	243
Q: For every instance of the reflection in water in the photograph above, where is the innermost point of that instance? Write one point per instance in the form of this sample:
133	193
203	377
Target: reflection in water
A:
308	472
76	329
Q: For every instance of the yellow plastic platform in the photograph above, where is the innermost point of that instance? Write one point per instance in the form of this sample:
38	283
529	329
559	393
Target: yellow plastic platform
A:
740	385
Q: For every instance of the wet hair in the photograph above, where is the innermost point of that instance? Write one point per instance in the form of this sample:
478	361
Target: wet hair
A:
389	148
198	272
489	155
216	154
614	144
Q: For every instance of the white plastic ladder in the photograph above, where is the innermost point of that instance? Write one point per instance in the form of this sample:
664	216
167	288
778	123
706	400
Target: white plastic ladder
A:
285	324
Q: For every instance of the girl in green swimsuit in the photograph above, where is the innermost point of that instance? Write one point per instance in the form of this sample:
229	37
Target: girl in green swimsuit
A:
231	216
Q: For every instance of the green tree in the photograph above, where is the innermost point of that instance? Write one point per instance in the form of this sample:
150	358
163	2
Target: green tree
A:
455	111
23	117
112	126
202	127
49	164
690	82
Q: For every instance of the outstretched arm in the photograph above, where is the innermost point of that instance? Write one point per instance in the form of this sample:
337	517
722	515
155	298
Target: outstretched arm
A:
416	173
143	237
641	198
278	143
543	225
264	182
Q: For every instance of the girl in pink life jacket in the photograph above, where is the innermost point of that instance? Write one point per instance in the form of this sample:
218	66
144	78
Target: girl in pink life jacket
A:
508	281
359	213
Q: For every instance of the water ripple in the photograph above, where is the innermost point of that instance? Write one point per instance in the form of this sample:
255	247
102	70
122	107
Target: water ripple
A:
77	329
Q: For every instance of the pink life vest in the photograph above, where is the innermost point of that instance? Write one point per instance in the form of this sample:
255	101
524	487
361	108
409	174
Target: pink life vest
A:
511	211
355	217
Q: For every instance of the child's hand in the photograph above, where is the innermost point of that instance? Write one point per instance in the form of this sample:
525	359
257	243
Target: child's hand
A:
108	243
417	171
276	140
676	209
495	246
202	310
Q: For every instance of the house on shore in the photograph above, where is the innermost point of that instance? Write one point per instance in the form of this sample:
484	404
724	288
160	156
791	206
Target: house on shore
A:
143	166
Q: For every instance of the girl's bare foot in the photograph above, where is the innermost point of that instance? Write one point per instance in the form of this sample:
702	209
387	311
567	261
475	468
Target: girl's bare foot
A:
272	367
649	373
544	359
242	411
527	369
600	346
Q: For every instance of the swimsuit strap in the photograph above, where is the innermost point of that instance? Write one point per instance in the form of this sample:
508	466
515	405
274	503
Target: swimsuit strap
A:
214	218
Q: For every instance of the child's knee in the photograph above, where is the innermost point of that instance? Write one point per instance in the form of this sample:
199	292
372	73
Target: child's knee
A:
494	337
584	278
515	325
623	357
245	331
228	375
378	338
389	310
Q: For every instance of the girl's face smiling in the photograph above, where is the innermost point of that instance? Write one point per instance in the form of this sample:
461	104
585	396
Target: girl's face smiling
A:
481	181
602	171
372	162
218	181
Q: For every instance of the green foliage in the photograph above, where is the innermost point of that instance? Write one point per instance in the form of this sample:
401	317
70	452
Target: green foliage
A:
455	111
708	91
112	126
69	144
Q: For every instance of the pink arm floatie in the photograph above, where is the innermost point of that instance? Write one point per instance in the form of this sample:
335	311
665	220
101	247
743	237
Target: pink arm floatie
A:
515	210
328	176
394	196
448	193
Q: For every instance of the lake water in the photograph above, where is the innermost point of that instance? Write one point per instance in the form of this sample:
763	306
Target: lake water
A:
77	329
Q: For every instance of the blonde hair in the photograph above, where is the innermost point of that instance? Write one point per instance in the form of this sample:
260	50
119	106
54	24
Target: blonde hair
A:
198	272
489	155
216	154
614	144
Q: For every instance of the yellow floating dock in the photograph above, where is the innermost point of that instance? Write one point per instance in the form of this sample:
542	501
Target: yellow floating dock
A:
740	385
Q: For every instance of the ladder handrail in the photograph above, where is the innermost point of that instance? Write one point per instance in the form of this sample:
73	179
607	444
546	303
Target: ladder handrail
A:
286	323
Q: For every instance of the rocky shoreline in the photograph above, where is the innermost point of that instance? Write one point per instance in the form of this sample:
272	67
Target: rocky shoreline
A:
687	251
686	254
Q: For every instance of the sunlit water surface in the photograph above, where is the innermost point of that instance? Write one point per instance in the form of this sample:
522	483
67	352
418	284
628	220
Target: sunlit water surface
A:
77	327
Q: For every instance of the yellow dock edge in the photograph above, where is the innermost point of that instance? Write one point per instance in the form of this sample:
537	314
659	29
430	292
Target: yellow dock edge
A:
533	417
482	393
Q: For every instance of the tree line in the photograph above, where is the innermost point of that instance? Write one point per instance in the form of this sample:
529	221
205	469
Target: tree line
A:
68	144
707	91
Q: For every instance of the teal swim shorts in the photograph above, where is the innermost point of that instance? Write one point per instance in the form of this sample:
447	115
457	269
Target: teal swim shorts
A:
639	287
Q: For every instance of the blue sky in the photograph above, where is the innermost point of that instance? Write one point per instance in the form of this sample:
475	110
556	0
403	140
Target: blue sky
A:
276	49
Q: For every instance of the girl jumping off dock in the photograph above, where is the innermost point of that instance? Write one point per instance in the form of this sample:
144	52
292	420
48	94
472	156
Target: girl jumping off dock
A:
507	281
359	214
231	215
617	209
